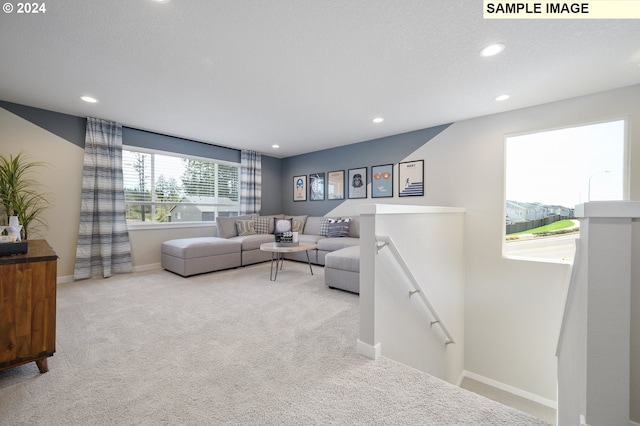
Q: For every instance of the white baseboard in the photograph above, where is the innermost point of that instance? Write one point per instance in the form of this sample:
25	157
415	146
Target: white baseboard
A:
65	279
508	388
141	268
365	349
149	267
632	423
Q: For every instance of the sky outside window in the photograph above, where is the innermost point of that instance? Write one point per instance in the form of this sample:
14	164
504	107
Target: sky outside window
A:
567	166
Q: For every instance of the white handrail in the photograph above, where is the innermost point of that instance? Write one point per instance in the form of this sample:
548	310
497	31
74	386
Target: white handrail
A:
568	299
388	242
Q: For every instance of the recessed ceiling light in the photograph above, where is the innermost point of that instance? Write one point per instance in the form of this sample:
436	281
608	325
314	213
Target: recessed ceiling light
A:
502	98
378	120
89	99
275	146
492	49
161	1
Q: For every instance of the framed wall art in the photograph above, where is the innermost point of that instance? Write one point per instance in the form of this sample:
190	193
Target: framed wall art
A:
382	181
357	182
316	186
335	185
300	188
411	178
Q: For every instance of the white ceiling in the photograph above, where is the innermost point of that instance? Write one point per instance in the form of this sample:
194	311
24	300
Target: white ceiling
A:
304	74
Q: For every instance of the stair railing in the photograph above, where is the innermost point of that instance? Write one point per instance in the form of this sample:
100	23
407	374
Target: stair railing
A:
385	241
568	300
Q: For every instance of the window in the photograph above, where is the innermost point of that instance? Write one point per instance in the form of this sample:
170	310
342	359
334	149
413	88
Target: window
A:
163	187
547	173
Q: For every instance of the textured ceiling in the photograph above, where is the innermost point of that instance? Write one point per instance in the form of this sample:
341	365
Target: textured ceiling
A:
304	74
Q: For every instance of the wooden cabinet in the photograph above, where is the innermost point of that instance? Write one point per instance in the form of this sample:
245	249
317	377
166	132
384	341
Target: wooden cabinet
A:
28	306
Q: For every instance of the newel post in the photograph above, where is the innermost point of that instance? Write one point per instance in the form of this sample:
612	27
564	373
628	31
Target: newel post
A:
594	375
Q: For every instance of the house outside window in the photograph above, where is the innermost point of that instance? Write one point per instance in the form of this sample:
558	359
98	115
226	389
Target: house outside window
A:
164	187
548	173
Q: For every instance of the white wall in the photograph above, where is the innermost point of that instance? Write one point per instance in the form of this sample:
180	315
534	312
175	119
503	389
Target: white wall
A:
513	308
400	324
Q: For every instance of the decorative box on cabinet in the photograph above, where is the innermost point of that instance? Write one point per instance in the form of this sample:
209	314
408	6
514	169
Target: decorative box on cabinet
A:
28	306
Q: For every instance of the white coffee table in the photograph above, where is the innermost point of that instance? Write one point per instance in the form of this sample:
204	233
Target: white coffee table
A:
277	255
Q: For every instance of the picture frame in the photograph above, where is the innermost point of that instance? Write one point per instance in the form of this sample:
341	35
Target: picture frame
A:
382	181
335	185
316	186
411	178
357	182
300	188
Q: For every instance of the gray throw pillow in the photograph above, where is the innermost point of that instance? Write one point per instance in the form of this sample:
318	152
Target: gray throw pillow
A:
338	228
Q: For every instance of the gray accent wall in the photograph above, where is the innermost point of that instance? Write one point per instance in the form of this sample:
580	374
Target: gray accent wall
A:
72	129
68	127
277	174
271	194
387	150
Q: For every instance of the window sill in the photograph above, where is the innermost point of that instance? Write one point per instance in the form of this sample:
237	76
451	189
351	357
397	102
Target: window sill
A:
144	226
563	261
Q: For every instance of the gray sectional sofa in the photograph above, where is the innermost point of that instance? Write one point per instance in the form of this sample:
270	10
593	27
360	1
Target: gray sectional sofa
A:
236	244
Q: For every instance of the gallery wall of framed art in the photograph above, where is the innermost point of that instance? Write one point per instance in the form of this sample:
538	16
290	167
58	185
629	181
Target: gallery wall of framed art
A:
353	184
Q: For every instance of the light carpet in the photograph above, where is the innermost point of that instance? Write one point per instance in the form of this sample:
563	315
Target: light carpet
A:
229	347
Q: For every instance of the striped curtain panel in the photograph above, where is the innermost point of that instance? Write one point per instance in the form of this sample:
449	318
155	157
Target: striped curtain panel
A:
103	240
250	182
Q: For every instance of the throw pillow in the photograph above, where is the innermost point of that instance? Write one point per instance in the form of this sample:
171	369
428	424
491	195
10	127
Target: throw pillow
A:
262	225
324	226
298	223
245	227
338	228
227	225
297	226
281	225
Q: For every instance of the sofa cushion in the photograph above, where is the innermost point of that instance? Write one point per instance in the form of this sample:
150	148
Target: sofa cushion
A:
346	259
310	238
190	248
338	228
354	227
245	227
333	244
252	242
227	225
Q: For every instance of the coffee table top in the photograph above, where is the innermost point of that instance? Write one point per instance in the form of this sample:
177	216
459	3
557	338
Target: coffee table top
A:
287	249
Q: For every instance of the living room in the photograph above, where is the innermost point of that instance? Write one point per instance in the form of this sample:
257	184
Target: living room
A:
513	307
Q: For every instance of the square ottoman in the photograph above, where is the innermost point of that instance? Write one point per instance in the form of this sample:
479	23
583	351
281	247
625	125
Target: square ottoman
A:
190	256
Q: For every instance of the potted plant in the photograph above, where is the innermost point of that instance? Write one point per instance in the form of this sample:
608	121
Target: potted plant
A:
20	194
